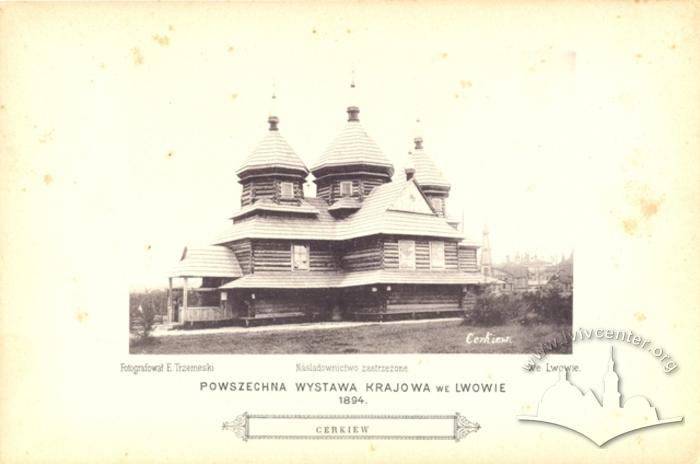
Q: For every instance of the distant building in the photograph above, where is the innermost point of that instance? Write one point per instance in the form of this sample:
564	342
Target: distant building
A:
528	273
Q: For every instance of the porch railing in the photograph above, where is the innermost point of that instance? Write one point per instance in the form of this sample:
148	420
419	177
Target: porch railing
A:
205	313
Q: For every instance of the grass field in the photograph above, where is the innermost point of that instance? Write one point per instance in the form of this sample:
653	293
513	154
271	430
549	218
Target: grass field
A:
425	337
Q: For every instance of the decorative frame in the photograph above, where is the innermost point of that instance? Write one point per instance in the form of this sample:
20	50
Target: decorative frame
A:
240	426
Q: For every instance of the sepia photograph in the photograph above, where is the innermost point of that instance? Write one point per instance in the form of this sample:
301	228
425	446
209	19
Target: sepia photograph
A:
362	248
302	232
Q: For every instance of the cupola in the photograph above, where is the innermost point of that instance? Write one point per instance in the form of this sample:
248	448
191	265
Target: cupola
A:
353	165
429	178
273	171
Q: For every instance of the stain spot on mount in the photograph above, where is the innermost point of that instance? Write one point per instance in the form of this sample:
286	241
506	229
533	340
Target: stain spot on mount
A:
649	207
81	316
162	40
630	226
137	56
170	154
231	49
234	96
314	31
643	205
47	137
171	27
48	179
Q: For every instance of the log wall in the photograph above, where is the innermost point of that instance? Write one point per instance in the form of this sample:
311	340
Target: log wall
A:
362	185
418	298
272	255
282	301
323	257
243	251
269	187
467	259
276	255
451	261
362	255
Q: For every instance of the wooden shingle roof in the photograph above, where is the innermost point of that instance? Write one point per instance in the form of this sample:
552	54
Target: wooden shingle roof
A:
374	217
353	279
319	227
377	217
266	204
346	203
353	147
207	261
273	151
426	171
469	243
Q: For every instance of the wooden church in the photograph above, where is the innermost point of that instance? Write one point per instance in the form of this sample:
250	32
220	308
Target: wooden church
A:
365	247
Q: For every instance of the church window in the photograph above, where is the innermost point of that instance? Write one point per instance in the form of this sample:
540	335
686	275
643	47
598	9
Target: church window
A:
287	189
300	257
407	254
346	188
437	255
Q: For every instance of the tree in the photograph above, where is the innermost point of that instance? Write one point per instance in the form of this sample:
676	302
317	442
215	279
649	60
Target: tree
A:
143	308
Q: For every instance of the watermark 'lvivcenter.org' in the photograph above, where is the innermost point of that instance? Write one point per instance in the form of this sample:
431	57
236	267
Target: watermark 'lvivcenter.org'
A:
627	336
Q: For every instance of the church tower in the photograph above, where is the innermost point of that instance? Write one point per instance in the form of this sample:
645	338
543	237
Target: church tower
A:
486	264
611	393
351	167
272	173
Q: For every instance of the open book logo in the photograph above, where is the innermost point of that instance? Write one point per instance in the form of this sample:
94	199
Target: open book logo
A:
565	405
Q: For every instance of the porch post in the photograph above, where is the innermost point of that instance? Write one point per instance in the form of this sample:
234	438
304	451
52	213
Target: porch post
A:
184	300
170	299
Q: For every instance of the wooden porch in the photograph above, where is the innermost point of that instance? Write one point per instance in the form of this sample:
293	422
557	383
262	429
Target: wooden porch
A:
205	303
